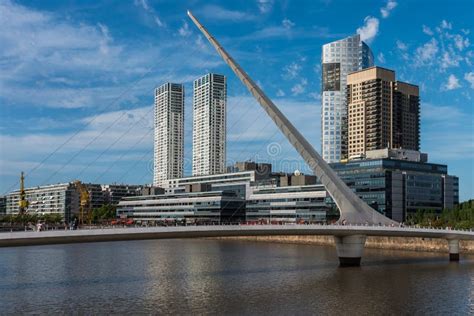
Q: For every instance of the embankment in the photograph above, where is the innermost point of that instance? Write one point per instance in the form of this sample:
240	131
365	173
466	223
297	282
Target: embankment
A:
393	243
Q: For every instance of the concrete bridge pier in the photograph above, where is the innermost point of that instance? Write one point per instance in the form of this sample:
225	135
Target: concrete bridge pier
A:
453	245
350	249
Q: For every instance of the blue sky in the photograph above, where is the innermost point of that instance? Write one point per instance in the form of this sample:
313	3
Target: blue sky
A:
77	78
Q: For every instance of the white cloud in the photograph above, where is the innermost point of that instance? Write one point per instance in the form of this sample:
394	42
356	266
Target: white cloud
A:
453	83
200	42
287	24
115	131
50	61
444	50
300	87
469	77
427	52
385	11
461	42
150	11
241	130
315	95
381	58
279	31
401	45
291	71
446	25
218	13
280	93
159	22
446	133
142	3
450	59
427	30
105	40
184	30
317	68
369	30
265	5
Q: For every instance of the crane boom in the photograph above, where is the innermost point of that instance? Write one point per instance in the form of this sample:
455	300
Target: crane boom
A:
22	203
84	203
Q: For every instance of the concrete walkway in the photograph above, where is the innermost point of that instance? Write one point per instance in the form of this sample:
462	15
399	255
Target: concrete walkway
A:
118	234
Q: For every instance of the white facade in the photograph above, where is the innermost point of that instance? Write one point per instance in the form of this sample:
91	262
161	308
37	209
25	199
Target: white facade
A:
209	125
289	204
169	132
339	58
62	199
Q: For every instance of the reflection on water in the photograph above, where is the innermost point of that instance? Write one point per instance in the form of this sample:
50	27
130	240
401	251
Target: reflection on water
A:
228	277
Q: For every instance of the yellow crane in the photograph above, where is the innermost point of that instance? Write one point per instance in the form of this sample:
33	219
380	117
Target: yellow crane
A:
85	213
22	203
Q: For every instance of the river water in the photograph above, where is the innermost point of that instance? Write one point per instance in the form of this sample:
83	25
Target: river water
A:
228	277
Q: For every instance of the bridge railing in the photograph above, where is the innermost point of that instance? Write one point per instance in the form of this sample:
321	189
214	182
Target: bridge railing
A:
397	227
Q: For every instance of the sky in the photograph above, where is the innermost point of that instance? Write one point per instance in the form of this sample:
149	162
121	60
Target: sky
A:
77	78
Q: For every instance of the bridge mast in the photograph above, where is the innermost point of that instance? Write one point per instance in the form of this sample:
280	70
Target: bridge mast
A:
352	209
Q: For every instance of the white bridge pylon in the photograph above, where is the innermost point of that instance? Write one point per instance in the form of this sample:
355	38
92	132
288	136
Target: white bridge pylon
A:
352	209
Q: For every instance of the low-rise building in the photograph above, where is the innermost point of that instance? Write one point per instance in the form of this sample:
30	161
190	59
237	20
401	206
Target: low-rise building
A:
113	193
96	195
238	182
269	195
206	207
288	204
62	199
3	205
297	179
400	187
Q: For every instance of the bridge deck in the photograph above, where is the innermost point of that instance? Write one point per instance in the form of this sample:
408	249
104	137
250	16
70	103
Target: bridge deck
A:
117	234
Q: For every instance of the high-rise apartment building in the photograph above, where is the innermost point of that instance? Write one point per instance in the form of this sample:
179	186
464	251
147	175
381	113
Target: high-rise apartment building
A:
339	58
383	112
169	132
209	124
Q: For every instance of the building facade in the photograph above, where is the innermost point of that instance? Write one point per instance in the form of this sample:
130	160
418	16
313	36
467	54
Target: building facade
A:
209	124
238	178
239	182
398	188
288	204
113	193
168	132
195	207
339	58
383	112
62	199
3	205
268	195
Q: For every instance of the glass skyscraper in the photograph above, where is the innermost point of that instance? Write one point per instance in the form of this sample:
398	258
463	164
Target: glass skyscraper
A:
338	59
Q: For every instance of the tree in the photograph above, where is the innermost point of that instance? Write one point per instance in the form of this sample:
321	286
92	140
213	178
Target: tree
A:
105	212
460	217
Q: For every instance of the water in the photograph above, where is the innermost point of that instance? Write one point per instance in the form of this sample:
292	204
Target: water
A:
228	277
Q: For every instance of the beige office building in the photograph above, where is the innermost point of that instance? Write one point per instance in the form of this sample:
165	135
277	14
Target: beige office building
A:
382	112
